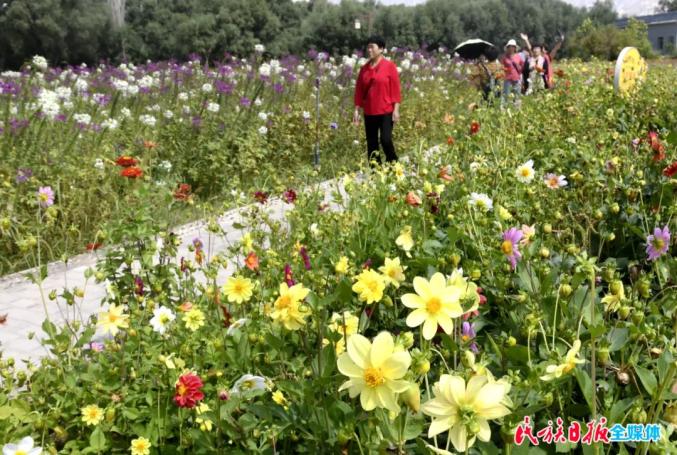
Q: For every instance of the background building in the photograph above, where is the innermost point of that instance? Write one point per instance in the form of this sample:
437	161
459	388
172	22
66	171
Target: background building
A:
662	30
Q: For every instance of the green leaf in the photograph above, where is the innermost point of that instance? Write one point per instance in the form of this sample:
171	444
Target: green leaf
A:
585	384
618	409
617	338
647	379
97	440
130	413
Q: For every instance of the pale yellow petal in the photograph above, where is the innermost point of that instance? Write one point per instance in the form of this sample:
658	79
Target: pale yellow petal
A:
438	407
446	323
488	402
453	389
387	399
396	366
347	367
381	349
438	426
358	350
398	386
421	286
459	437
485	431
412	301
368	399
438	282
416	317
429	328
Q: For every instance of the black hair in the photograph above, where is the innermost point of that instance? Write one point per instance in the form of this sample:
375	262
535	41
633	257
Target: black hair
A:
378	40
491	53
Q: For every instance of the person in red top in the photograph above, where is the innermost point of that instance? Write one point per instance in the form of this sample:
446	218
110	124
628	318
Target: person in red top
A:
512	69
377	93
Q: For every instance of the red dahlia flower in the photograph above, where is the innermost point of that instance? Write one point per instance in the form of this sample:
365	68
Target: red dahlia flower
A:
188	390
474	127
132	172
671	170
126	161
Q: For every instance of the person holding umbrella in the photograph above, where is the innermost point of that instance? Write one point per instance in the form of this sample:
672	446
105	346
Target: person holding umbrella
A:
377	93
512	71
486	74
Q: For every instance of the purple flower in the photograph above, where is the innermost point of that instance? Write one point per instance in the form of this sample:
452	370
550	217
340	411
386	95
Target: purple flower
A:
288	276
468	334
23	174
511	239
45	196
246	102
223	87
96	346
197	244
306	259
289	196
333	125
138	286
279	88
658	243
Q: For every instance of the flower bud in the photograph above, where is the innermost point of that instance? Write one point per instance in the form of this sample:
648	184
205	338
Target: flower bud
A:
565	290
511	341
547	228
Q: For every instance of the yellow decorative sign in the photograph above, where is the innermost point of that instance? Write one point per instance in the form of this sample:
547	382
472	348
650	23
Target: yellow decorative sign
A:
630	70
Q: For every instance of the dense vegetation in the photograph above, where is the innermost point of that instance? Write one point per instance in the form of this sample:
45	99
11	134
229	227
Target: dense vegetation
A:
77	31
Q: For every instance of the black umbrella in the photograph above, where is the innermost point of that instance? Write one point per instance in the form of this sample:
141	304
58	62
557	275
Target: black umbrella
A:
472	48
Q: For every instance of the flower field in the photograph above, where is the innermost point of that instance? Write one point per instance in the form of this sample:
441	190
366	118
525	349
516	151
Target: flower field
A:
514	273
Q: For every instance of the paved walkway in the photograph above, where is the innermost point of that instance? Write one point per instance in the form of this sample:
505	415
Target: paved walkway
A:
22	300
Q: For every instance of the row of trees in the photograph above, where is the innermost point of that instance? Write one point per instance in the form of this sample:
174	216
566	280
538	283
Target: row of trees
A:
75	31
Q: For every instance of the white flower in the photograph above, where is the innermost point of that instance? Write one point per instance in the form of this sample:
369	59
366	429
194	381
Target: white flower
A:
260	48
166	165
554	181
40	63
314	229
474	166
236	326
98	164
48	101
125	112
161	319
258	102
306	115
25	446
168	114
147	120
213	107
263	130
145	82
81	85
263	116
207	88
248	382
183	96
264	69
525	172
481	201
84	119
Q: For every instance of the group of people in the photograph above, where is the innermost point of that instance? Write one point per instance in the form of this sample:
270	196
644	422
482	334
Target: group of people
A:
378	97
522	71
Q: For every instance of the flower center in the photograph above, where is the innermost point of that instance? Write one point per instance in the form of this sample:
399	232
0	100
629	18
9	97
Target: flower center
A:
284	302
238	288
373	377
112	318
433	305
182	389
480	203
506	247
164	319
20	452
246	385
372	285
553	182
526	172
658	243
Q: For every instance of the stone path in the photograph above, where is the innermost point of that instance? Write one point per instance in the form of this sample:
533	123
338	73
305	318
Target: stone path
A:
22	300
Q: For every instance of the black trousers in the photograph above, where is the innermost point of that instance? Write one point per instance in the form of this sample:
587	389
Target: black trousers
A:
383	124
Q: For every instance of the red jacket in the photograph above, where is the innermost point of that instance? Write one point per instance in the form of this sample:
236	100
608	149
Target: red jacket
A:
378	89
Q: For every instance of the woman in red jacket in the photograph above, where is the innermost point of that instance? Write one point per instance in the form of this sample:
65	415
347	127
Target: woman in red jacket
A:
377	92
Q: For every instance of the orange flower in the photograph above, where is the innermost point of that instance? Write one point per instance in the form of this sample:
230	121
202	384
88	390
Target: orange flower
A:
448	119
450	140
93	246
474	127
183	193
132	172
252	262
444	174
126	161
412	199
149	144
185	306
